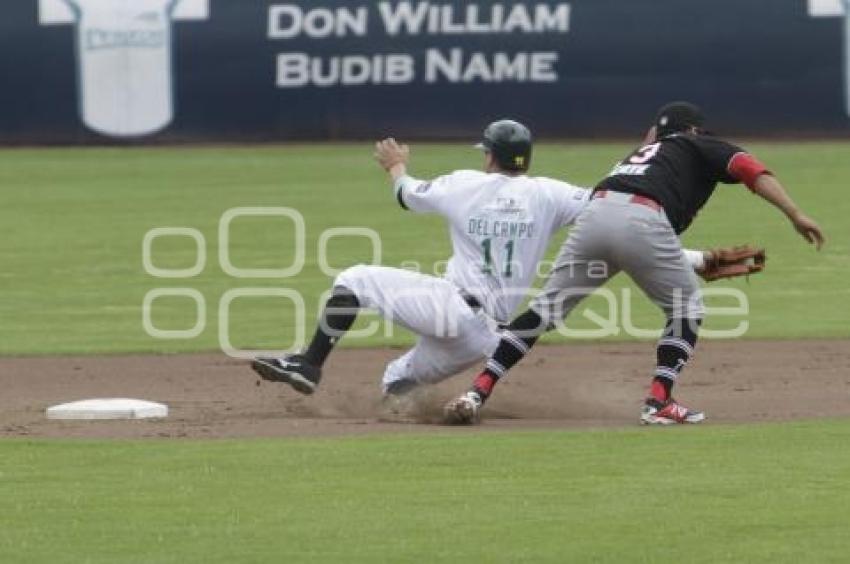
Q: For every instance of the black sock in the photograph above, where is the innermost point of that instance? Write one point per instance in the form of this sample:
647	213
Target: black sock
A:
674	351
517	340
337	318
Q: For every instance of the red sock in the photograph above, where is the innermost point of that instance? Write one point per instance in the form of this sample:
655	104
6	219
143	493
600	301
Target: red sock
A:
484	384
660	389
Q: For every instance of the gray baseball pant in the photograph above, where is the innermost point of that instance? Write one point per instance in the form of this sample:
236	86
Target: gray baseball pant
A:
611	235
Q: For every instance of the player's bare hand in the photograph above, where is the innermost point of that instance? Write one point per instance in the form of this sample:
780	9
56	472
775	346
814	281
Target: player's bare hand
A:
389	153
810	230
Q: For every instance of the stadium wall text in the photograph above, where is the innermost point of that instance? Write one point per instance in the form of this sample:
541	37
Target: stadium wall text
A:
89	71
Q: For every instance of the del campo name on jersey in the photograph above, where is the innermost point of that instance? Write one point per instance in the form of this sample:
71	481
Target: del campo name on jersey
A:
495	228
629	169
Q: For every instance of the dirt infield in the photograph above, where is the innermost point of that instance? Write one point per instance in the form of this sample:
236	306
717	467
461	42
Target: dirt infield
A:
586	385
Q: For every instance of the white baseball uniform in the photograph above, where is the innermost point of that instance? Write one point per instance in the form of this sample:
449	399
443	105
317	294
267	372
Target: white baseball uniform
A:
500	227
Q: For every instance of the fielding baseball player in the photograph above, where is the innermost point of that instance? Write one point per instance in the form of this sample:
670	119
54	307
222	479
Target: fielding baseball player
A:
632	223
500	223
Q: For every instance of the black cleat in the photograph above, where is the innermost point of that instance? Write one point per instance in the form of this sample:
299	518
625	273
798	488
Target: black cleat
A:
292	369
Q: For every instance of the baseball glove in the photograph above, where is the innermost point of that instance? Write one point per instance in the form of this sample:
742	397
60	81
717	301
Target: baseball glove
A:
729	262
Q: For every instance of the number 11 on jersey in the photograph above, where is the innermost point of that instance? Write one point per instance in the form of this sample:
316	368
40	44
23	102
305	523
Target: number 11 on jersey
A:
486	246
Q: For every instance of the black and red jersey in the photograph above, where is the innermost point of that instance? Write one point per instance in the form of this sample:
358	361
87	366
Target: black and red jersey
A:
680	171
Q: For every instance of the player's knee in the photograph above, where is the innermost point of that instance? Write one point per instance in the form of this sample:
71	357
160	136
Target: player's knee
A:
352	278
682	328
695	309
695	314
683	305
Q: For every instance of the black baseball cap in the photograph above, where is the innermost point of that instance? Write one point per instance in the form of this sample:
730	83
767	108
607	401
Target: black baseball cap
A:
510	144
678	116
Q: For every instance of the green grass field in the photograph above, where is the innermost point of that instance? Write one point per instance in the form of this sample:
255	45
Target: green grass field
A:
73	222
772	494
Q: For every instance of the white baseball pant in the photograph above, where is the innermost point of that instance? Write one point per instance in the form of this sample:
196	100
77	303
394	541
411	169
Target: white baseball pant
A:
452	336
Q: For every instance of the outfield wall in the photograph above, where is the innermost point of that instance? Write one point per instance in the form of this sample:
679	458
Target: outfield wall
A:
88	71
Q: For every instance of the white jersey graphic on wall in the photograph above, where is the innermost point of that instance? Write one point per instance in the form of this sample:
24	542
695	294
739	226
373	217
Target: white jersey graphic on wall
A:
835	8
124	54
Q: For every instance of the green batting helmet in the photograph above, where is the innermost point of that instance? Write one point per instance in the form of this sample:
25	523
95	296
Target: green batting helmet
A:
510	144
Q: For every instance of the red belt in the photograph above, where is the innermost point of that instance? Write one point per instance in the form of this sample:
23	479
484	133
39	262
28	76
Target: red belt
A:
635	199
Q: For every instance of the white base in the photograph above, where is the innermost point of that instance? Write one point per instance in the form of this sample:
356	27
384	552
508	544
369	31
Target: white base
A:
112	408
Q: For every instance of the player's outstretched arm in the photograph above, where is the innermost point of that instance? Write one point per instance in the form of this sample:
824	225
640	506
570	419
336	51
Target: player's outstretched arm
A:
769	188
392	157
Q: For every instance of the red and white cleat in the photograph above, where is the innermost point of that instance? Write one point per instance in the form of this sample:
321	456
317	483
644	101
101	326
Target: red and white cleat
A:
669	412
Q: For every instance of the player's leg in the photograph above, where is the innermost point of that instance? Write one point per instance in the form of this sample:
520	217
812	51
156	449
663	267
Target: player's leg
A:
433	359
581	267
439	353
426	305
653	257
304	371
